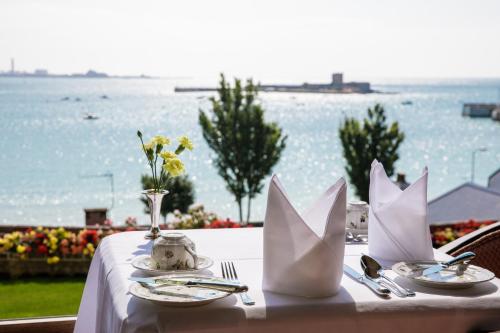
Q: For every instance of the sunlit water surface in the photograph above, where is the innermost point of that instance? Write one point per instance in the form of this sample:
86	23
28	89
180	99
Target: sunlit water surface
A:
47	149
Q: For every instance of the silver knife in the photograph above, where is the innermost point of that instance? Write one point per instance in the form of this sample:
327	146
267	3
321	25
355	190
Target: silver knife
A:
461	259
217	284
375	287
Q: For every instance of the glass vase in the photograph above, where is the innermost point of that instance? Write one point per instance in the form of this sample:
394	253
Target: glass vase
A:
155	199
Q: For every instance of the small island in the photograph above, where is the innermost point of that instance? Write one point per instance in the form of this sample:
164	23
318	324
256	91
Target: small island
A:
336	86
43	73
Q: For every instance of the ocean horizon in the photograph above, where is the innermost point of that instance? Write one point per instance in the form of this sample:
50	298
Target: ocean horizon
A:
51	158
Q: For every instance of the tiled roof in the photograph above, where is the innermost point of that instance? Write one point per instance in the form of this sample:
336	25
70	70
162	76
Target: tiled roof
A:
494	181
467	201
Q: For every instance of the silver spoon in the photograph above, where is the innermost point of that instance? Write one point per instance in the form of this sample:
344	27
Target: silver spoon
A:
374	270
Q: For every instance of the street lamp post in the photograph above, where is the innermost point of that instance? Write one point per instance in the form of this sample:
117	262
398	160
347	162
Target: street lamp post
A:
473	161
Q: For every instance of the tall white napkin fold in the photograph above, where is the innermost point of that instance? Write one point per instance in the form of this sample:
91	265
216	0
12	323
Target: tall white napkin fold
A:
304	256
397	222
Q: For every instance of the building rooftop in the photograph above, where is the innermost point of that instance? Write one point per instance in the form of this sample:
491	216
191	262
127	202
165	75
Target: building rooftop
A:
467	201
494	181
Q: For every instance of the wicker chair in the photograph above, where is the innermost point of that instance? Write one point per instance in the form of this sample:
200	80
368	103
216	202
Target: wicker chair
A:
485	242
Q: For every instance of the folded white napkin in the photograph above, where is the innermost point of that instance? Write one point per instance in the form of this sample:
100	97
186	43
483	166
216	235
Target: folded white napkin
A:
397	222
304	256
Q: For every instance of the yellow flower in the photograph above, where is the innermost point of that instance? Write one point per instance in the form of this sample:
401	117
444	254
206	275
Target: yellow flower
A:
186	143
174	167
20	248
8	245
53	260
166	155
149	146
160	140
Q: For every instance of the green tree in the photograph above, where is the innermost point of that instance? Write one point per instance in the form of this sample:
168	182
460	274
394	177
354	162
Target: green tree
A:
181	194
246	147
364	143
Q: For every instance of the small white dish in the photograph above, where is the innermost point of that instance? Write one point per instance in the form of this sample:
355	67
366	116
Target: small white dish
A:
177	295
144	263
445	279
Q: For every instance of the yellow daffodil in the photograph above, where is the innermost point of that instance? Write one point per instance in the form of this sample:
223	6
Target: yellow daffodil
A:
160	140
166	155
186	143
174	167
20	248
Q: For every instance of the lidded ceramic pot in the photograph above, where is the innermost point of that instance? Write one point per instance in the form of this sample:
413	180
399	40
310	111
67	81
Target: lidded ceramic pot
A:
174	251
357	217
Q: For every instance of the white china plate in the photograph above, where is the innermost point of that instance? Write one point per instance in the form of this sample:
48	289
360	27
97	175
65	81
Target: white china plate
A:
177	296
144	264
445	279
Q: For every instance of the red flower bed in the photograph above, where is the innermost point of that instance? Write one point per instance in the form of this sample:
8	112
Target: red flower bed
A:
218	224
443	234
52	243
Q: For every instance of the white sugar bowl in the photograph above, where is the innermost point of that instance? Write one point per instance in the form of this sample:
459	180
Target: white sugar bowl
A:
174	251
357	217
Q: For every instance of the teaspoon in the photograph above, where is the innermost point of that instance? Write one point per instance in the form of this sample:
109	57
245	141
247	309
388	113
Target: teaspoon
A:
374	270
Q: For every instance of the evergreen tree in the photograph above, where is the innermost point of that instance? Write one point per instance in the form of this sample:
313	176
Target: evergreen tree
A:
364	143
180	196
246	147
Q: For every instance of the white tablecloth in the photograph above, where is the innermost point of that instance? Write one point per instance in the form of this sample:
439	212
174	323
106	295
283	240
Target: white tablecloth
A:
107	306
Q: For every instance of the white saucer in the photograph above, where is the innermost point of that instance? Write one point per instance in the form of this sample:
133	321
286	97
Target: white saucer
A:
144	264
177	296
445	279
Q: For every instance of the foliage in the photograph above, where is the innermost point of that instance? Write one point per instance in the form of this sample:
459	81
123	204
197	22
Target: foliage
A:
374	139
52	243
181	194
246	147
171	165
443	234
197	218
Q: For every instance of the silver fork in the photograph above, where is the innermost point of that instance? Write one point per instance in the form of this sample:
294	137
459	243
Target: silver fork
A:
229	272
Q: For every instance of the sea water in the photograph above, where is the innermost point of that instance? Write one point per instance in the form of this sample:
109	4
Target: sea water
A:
53	162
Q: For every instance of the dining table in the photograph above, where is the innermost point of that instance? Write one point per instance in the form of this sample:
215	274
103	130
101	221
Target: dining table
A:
108	306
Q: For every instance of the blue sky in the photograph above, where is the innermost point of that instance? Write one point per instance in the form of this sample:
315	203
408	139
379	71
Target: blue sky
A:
293	40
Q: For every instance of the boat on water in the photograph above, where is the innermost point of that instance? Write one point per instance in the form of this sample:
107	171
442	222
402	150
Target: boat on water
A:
407	103
90	116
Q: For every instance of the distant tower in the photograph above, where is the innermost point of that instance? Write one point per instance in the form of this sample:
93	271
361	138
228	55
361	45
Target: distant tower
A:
12	65
337	80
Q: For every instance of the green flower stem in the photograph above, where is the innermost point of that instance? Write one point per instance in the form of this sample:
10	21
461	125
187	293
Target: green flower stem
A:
155	178
149	162
179	150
